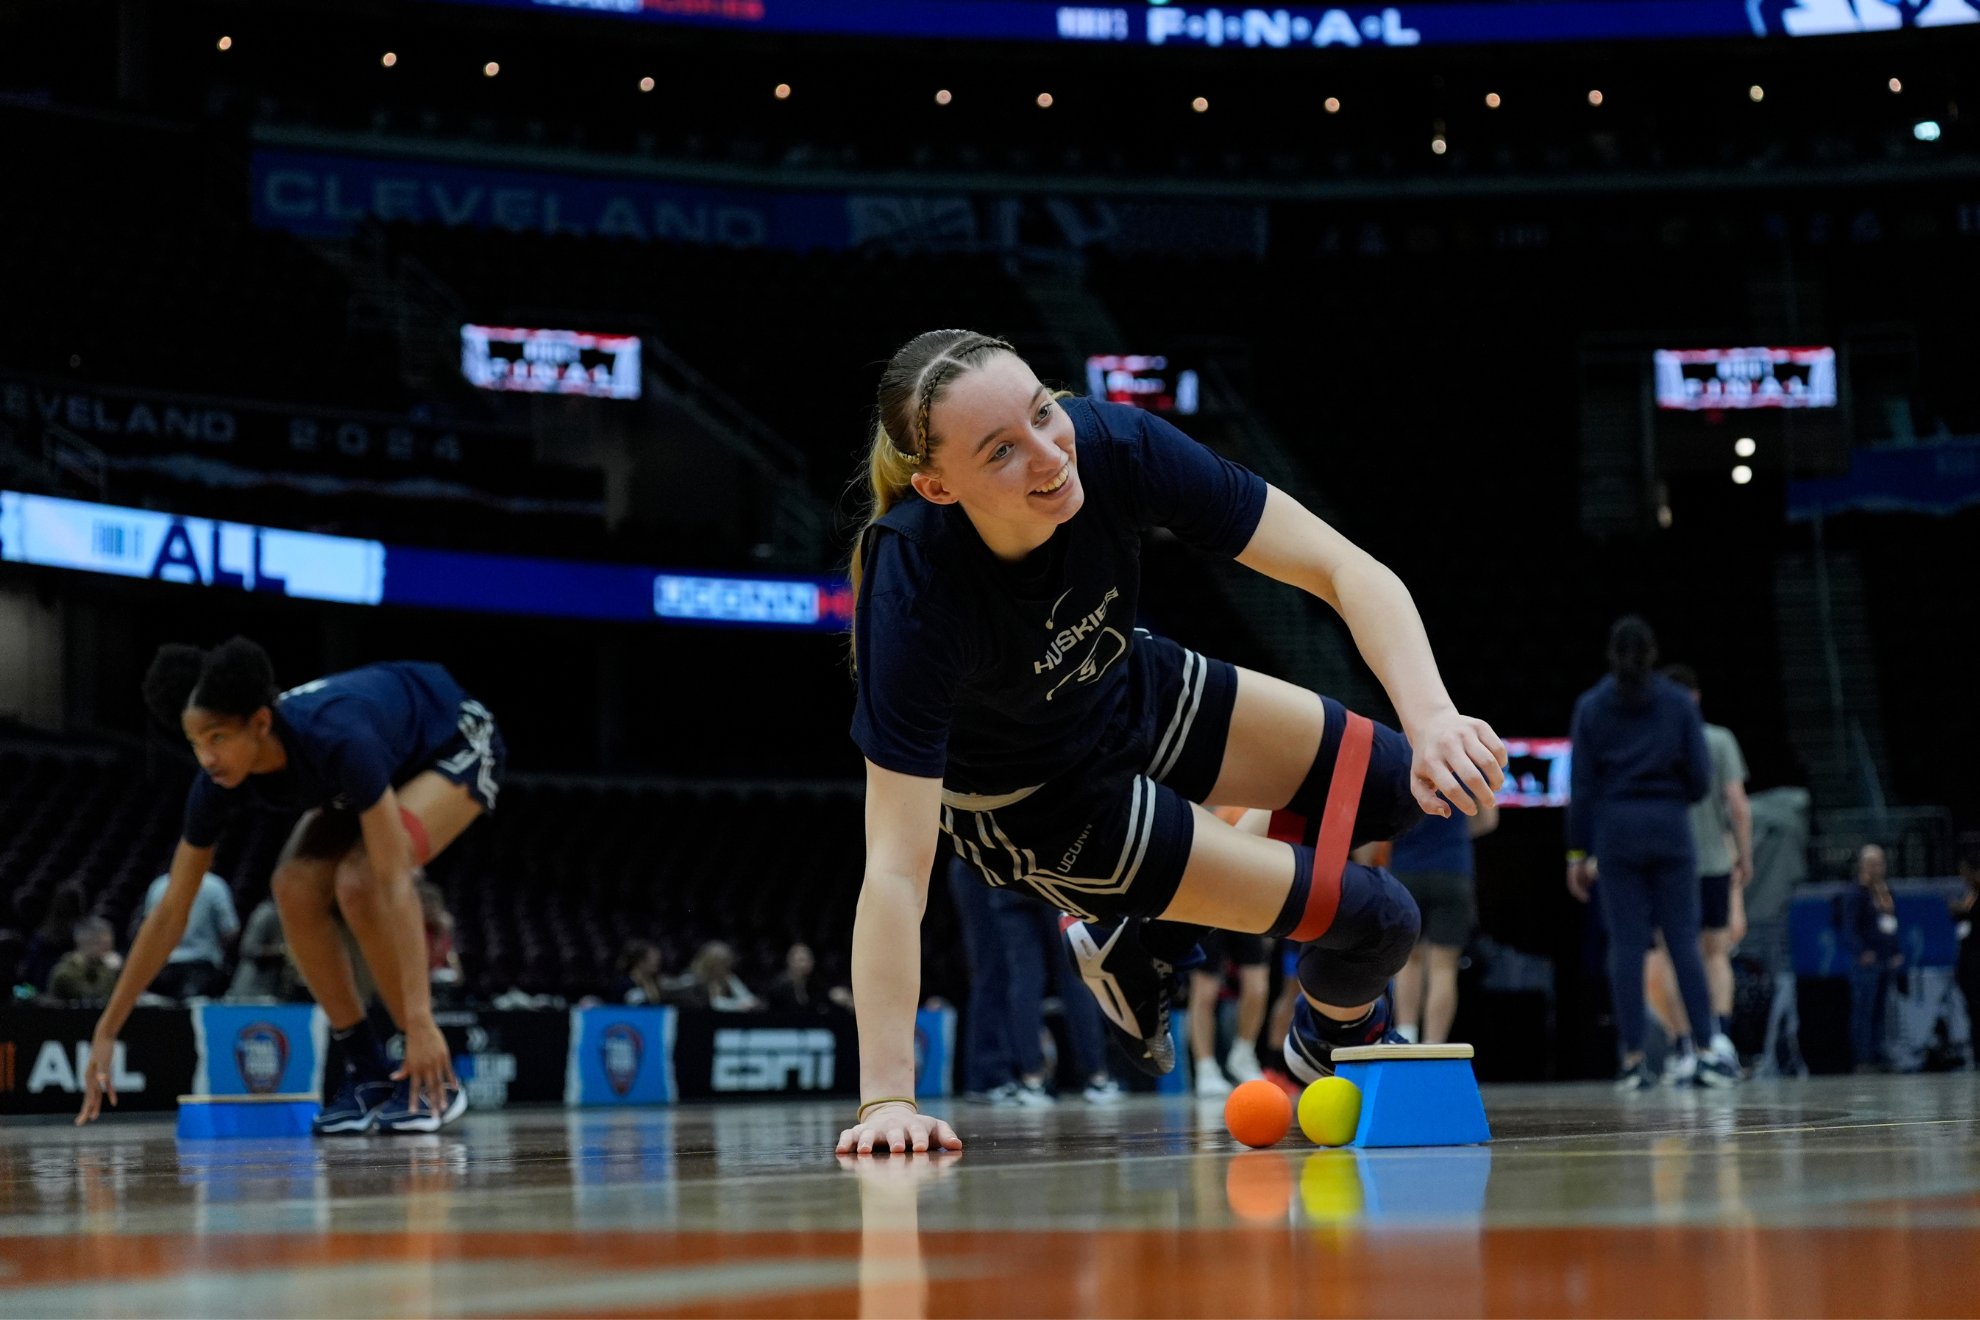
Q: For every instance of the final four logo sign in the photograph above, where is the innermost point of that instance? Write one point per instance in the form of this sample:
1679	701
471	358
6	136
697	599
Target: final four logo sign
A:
621	1049
261	1050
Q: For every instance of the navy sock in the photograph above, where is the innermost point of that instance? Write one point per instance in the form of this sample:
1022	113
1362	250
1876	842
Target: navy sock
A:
364	1055
1367	1028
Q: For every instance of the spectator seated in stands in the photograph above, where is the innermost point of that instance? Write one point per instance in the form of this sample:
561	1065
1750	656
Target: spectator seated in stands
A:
794	991
265	971
197	968
443	963
1871	916
56	934
712	982
639	968
1965	909
90	970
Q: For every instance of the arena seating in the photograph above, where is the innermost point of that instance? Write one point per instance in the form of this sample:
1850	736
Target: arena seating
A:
544	893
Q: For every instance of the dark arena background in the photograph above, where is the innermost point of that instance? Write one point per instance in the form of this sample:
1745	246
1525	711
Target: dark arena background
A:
540	338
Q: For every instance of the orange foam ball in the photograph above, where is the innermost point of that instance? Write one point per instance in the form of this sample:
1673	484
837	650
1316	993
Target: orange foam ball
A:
1258	1113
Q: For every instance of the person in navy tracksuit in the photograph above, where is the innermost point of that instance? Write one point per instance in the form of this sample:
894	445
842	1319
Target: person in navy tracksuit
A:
1640	761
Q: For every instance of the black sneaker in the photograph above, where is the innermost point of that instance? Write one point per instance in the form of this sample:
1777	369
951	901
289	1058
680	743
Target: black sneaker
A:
1132	986
353	1109
1310	1050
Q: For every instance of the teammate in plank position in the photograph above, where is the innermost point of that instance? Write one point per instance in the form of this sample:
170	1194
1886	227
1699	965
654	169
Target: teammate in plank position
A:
1006	698
391	763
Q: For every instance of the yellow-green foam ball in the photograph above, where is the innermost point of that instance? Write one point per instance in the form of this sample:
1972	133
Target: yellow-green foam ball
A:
1330	1111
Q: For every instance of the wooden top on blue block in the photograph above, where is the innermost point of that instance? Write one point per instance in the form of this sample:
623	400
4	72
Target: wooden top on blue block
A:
1383	1053
287	1098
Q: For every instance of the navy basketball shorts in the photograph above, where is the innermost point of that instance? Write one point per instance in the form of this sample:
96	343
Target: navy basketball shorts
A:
1109	837
1714	902
475	758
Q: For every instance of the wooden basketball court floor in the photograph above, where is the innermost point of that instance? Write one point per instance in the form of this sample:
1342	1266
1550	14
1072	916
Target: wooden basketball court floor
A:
1842	1196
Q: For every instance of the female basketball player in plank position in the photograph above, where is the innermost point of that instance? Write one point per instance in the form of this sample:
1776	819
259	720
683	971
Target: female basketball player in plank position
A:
1006	699
391	762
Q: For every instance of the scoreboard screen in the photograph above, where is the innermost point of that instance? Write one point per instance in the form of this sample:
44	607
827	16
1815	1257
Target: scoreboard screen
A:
1706	379
1538	773
495	357
1151	382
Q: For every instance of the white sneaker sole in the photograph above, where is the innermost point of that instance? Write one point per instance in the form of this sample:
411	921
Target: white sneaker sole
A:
428	1122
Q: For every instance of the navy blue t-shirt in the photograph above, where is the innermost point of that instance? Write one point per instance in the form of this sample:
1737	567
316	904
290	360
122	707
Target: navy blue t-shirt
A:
994	676
349	737
1633	751
1438	843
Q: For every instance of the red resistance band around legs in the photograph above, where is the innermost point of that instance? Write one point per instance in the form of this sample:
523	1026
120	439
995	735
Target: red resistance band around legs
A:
423	846
1330	849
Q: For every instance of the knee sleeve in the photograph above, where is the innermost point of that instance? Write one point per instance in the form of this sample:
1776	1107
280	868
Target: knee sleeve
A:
1358	788
1369	940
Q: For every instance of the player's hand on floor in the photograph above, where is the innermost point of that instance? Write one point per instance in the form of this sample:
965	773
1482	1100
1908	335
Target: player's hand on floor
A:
98	1079
428	1067
1459	757
897	1128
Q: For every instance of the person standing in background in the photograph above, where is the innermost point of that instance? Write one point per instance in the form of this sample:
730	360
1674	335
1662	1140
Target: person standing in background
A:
1722	831
1251	955
1870	914
1967	970
197	966
1435	864
1639	763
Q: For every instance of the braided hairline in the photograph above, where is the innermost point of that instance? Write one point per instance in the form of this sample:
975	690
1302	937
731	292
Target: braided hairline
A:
939	371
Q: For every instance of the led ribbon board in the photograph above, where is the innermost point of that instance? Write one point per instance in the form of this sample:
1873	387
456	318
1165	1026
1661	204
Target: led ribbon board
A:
1707	379
139	543
495	357
1185	26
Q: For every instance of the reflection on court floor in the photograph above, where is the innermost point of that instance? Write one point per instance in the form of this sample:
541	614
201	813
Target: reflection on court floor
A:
1831	1197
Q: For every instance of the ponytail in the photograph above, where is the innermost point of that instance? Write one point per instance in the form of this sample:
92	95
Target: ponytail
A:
914	381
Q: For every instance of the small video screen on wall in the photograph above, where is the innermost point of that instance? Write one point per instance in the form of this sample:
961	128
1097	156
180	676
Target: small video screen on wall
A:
1149	381
1707	379
495	357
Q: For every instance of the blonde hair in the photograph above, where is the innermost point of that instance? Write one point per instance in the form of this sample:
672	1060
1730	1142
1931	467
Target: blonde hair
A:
915	380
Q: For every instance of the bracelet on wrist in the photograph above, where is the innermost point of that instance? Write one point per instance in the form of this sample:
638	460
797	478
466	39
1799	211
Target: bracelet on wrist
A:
907	1100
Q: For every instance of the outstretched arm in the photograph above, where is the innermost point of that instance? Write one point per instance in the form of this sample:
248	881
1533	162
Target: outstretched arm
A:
902	812
164	926
1295	547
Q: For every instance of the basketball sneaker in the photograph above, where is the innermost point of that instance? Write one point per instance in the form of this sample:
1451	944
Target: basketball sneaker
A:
1102	1093
1033	1095
401	1116
1241	1063
1132	986
1635	1078
1310	1046
353	1109
1211	1084
1717	1070
1680	1068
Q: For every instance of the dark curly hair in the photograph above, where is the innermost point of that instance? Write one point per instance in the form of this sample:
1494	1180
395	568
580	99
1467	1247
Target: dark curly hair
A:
235	678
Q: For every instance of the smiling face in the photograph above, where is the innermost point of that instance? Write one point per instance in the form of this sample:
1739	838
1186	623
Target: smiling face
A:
1003	449
227	746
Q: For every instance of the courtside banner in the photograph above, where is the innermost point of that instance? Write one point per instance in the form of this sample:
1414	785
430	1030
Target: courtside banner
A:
1185	26
934	1052
621	1056
258	1049
43	1052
